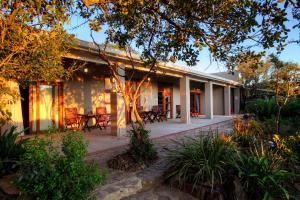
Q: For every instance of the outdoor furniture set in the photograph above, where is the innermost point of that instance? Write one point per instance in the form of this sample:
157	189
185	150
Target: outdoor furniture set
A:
82	121
155	114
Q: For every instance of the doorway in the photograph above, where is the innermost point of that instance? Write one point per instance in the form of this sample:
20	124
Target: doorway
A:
45	106
195	103
165	101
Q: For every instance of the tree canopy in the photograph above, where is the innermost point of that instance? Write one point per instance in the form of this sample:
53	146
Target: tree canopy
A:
32	39
178	30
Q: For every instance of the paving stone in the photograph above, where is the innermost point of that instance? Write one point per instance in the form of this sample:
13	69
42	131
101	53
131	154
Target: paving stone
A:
146	184
119	189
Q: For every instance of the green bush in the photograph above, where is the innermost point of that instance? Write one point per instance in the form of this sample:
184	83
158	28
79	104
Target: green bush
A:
262	108
11	150
203	160
141	147
54	171
261	174
266	110
288	149
246	132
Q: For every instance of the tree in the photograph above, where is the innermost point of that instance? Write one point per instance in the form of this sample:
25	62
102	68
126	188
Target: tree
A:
252	68
32	42
168	30
283	81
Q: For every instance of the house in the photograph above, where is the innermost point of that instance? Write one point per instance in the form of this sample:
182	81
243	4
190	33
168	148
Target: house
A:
44	103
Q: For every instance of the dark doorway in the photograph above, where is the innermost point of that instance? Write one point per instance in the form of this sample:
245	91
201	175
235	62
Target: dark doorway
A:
24	92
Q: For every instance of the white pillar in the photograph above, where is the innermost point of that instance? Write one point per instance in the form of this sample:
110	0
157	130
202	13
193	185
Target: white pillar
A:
237	100
118	116
185	100
209	100
227	102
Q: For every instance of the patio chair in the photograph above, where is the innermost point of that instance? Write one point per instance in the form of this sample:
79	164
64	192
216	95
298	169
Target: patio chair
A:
156	113
194	113
142	114
72	119
178	111
164	115
102	118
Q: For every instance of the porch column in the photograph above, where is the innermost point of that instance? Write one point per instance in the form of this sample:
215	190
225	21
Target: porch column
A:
185	100
227	102
209	100
118	118
237	100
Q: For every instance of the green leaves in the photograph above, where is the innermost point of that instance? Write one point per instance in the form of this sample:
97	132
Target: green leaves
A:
203	160
11	150
167	29
48	172
262	175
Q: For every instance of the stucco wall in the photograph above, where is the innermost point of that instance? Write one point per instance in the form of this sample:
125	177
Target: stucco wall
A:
148	96
86	94
176	98
218	100
13	106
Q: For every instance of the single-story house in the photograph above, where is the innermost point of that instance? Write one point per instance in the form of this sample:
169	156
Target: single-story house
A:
44	104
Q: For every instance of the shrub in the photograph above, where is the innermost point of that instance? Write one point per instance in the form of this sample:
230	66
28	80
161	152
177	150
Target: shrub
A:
262	108
246	132
10	150
266	110
141	147
288	149
50	172
199	161
261	174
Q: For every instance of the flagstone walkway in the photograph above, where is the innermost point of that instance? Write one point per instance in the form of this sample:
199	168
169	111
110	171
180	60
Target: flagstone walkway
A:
147	183
100	140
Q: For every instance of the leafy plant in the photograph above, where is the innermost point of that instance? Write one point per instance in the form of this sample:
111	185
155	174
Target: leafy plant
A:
199	161
262	175
246	132
287	148
11	150
48	172
140	147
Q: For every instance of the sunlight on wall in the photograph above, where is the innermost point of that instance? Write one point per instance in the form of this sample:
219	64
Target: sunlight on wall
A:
14	106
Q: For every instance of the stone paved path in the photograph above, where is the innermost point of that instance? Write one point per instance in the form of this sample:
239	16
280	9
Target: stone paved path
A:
148	182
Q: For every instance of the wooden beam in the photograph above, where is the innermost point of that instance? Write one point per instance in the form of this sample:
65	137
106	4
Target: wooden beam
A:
30	109
37	114
61	105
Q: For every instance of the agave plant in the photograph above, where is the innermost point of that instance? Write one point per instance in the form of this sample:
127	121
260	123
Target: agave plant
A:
262	175
11	150
200	161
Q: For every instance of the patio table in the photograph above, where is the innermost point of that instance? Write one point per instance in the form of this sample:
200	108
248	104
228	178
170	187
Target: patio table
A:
85	118
148	116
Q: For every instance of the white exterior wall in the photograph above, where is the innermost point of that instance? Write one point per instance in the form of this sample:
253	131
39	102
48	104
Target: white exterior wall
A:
202	103
13	106
86	95
148	98
218	100
176	98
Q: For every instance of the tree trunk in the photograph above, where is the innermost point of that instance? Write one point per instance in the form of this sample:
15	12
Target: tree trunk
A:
278	119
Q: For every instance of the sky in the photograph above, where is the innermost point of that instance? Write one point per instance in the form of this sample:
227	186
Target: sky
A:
206	63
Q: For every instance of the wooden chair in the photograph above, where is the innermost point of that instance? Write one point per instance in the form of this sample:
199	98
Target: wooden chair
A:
156	113
102	117
178	111
194	113
72	120
141	112
164	115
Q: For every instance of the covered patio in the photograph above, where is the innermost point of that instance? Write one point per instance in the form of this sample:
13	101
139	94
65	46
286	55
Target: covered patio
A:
102	140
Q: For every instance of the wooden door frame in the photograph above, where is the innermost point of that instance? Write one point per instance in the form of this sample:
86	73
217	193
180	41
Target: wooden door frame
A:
194	94
37	85
161	89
